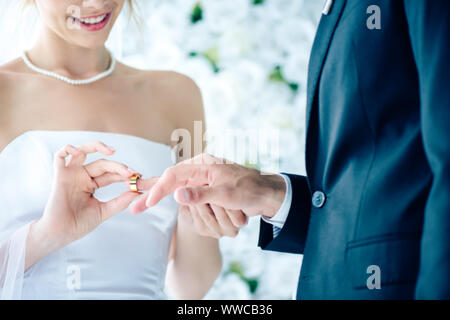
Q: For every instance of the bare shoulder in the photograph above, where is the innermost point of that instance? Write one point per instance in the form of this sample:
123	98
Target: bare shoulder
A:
175	85
10	76
6	71
178	93
180	100
14	65
10	73
12	68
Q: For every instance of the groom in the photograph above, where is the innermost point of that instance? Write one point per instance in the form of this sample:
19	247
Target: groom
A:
372	217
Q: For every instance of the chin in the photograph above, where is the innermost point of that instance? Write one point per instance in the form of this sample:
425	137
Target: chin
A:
92	43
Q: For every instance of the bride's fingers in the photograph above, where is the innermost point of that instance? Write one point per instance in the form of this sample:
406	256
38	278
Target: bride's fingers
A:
79	152
229	229
108	178
185	215
207	215
91	147
61	155
99	167
238	218
108	209
76	159
199	223
96	146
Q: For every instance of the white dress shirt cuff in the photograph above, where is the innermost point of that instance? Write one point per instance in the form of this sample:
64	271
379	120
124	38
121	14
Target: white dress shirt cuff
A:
279	219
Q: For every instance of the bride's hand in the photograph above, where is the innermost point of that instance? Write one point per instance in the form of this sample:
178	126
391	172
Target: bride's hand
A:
72	211
209	220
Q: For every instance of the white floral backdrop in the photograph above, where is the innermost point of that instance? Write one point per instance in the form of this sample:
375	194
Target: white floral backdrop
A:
249	57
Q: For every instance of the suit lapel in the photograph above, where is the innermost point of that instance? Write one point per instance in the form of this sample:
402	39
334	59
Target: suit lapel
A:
319	51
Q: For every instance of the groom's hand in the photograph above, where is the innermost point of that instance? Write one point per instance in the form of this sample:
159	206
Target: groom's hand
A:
206	179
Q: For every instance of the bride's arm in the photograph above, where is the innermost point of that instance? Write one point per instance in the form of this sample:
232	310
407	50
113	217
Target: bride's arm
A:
195	261
71	212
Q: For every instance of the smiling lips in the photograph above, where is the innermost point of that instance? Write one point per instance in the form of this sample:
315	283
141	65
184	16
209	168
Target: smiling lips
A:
94	23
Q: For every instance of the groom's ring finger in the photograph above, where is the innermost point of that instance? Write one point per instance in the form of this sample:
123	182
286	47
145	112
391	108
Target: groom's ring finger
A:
102	166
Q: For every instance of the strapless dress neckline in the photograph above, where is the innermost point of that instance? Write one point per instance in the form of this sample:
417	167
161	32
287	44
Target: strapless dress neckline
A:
83	131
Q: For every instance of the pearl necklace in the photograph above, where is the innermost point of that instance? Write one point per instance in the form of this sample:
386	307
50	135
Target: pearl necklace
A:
102	75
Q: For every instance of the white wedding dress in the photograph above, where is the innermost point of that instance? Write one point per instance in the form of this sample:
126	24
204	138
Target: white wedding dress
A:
124	258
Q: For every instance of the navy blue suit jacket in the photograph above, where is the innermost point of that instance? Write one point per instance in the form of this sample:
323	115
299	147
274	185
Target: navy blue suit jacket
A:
378	118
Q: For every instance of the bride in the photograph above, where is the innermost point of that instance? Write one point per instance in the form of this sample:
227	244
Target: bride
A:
74	123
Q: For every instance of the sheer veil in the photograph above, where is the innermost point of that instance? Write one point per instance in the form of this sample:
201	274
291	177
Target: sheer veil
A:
12	263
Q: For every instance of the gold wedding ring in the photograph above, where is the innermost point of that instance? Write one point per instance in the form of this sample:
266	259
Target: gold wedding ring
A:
133	182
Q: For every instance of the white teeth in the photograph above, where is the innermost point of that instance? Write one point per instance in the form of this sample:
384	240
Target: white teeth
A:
93	20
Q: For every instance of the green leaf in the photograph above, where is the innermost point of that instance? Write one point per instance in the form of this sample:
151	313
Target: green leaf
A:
258	2
197	13
294	86
212	55
252	284
237	268
276	75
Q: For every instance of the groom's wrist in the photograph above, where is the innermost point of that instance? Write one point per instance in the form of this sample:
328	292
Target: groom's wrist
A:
273	195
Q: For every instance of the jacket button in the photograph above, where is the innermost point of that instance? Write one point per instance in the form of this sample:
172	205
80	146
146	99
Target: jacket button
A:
318	199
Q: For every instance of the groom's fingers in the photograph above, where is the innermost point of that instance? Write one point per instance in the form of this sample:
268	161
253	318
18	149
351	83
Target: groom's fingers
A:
139	206
147	184
175	177
142	185
218	195
118	204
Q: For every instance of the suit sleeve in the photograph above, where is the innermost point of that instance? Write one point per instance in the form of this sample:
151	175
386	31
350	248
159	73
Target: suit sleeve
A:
429	29
292	236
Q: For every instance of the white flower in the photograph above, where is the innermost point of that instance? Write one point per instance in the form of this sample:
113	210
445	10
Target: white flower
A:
220	15
231	287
